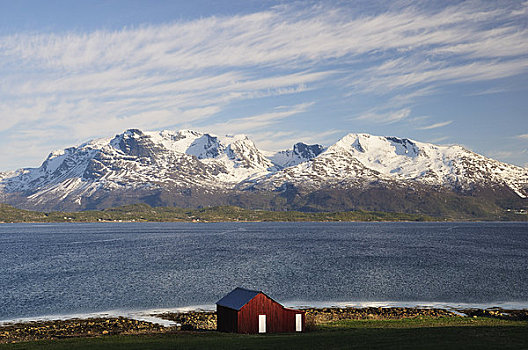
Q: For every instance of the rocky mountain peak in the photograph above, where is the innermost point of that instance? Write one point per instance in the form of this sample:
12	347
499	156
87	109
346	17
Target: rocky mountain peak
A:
300	153
206	146
243	151
307	151
135	143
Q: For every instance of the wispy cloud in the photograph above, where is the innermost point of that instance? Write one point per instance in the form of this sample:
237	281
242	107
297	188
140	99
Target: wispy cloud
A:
490	91
411	73
387	117
435	125
192	72
439	139
252	123
508	155
522	136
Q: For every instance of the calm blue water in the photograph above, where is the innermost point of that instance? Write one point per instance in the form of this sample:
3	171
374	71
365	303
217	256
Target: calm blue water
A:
50	269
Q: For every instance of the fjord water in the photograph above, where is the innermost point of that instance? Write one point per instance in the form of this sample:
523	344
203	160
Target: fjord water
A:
48	269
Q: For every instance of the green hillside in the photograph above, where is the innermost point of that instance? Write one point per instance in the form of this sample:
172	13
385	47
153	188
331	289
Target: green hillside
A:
146	213
143	212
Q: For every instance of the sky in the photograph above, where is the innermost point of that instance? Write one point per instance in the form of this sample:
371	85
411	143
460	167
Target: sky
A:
281	72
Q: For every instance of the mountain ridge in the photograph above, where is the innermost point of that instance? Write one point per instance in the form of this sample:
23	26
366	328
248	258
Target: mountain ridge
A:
193	169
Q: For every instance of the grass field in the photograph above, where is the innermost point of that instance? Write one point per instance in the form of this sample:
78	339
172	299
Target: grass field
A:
425	333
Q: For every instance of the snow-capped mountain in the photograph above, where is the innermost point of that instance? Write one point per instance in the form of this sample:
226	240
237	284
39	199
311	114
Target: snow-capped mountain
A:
360	158
188	168
142	161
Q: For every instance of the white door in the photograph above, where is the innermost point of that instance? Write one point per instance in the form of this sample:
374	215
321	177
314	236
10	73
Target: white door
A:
298	322
262	323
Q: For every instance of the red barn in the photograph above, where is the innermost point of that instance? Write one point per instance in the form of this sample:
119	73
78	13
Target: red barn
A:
251	311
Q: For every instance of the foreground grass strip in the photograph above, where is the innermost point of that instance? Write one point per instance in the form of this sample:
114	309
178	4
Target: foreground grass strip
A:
454	333
421	322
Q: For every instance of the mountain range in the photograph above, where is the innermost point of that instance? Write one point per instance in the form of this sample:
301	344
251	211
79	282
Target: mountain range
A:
192	169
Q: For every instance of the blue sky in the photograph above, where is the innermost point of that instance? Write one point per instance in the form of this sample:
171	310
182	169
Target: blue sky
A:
445	72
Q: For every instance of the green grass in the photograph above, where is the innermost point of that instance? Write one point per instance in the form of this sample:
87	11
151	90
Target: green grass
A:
419	322
429	333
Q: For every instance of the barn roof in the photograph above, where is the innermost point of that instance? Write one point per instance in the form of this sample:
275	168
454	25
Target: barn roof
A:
238	298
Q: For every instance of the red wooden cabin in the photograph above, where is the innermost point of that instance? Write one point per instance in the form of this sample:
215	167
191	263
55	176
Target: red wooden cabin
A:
252	311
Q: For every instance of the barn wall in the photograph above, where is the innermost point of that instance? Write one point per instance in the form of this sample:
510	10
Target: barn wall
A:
227	319
289	319
278	319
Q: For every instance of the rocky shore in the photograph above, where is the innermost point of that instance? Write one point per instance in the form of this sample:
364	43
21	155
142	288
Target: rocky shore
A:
206	321
90	327
325	315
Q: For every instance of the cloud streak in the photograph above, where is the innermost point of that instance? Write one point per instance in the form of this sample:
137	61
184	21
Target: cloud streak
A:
256	122
387	117
435	125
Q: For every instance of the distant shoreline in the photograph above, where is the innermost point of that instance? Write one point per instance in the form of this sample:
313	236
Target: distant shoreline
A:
146	213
